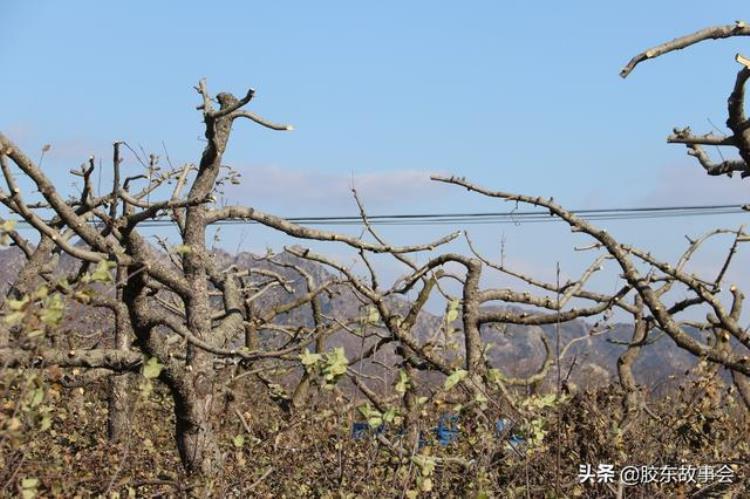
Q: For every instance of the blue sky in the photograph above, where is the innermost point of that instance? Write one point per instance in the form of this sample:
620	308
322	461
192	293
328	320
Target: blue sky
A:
519	96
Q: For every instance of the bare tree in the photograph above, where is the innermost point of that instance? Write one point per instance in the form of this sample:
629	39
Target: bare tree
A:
736	122
155	297
651	287
182	318
738	139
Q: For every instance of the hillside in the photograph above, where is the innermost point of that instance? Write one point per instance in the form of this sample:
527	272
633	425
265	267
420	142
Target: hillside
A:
516	350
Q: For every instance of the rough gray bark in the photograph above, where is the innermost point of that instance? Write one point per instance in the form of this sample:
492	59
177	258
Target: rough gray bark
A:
119	403
153	296
633	399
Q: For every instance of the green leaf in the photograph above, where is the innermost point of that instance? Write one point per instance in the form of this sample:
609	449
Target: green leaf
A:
52	312
63	283
152	368
367	411
390	414
14	318
373	316
548	400
335	365
454	378
426	464
309	359
537	402
373	416
46	423
375	421
182	249
41	293
101	274
239	441
36	397
84	296
402	384
451	311
17	305
28	487
29	483
495	376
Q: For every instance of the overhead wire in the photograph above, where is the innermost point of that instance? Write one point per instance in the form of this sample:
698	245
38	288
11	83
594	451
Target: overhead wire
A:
477	218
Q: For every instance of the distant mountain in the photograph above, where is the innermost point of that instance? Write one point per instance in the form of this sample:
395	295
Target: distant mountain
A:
516	350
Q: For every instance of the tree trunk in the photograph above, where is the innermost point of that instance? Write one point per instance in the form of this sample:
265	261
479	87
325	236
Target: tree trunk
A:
118	417
196	438
633	400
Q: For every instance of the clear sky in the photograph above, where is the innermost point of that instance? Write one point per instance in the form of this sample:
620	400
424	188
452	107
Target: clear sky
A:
519	96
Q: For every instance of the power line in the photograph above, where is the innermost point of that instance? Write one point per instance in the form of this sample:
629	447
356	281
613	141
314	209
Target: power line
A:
507	217
516	217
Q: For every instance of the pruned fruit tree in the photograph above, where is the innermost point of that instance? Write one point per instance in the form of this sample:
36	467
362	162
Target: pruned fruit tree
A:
178	315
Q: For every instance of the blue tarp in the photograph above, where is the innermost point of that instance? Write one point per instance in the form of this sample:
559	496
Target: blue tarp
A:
361	429
447	429
503	426
446	432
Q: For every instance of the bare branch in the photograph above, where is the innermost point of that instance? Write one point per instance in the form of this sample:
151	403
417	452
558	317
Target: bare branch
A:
292	229
630	273
115	360
262	121
739	28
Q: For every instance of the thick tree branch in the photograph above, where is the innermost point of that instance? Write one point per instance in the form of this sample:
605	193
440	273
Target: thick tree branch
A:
739	28
115	360
292	229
